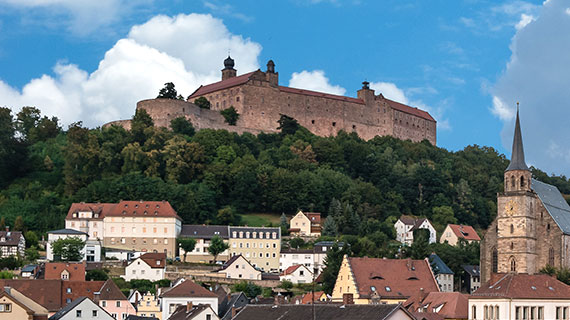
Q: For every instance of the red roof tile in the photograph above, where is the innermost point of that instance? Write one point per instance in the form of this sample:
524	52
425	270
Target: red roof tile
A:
410	110
465	232
188	289
314	217
290	270
392	278
53	271
308	298
522	286
454	305
155	259
96	208
110	291
224	84
143	208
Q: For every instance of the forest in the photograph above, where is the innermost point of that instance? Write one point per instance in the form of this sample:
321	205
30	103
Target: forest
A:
211	176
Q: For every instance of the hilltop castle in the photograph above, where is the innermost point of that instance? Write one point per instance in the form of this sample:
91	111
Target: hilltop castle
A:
260	100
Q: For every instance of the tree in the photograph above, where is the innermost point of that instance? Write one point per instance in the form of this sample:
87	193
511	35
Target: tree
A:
249	289
333	261
168	92
230	115
31	239
181	125
19	224
32	253
217	246
96	275
6	275
419	248
287	125
2	223
68	249
284	224
227	216
296	242
286	284
140	125
26	120
329	227
203	103
187	244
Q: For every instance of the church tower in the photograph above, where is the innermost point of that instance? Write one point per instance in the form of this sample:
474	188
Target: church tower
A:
228	71
516	221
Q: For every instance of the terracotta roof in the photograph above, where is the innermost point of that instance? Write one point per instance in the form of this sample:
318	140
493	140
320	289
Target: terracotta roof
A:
427	316
80	289
96	208
522	286
315	217
224	84
188	289
155	260
110	291
454	305
53	270
410	110
465	232
308	298
143	208
325	311
11	238
392	278
290	270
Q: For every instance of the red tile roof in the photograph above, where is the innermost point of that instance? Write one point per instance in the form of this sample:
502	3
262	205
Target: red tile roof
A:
522	286
320	94
308	298
290	270
125	208
96	208
53	271
314	217
80	289
465	232
454	305
392	278
410	110
220	85
188	289
427	316
155	260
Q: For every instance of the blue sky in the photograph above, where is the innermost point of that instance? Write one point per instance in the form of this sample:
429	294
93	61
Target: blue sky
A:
466	61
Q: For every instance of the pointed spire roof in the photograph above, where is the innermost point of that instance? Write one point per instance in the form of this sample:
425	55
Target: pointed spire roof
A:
517	156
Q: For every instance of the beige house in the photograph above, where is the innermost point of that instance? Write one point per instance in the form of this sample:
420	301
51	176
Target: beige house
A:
306	224
149	306
454	232
147	226
260	246
15	305
239	268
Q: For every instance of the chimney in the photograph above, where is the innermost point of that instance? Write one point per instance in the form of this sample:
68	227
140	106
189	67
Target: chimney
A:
188	306
347	298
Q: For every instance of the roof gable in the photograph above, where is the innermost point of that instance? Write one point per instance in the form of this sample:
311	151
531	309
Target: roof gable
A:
554	203
110	291
464	232
188	289
523	286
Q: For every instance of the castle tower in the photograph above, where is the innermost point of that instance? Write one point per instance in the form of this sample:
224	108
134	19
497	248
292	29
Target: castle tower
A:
228	71
366	94
516	221
272	76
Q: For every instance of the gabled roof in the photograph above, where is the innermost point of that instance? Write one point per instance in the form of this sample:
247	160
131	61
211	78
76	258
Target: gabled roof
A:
11	238
325	311
392	278
522	286
45	292
410	110
25	302
67	308
554	203
308	298
290	270
473	271
110	291
143	208
53	270
201	231
438	266
232	260
220	85
154	259
181	312
454	305
464	232
96	208
412	221
188	289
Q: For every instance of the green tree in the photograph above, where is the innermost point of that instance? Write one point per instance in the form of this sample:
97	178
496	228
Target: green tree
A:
442	216
141	126
419	248
96	275
68	249
27	119
230	115
168	92
333	261
2	223
287	125
184	161
329	227
181	125
249	289
286	284
45	129
32	253
31	239
187	244
6	275
217	246
284	224
296	242
203	103
19	224
227	216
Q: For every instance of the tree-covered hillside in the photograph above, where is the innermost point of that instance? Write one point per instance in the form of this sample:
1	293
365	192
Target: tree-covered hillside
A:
211	175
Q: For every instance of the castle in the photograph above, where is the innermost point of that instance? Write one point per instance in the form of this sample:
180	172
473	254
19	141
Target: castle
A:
532	227
260	101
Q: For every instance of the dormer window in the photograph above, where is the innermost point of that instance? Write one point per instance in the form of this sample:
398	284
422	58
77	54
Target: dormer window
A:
75	215
388	289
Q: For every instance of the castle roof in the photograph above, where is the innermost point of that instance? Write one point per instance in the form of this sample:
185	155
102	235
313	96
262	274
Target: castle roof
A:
220	85
517	155
554	203
411	110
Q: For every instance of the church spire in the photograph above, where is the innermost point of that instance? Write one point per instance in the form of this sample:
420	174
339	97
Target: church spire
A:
517	156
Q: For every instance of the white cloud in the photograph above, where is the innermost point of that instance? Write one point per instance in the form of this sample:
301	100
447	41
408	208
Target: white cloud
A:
513	13
187	50
525	20
390	91
537	76
226	10
316	81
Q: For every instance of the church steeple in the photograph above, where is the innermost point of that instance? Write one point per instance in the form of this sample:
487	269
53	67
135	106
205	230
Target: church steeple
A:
517	156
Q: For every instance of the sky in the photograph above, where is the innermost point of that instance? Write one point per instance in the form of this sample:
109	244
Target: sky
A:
467	62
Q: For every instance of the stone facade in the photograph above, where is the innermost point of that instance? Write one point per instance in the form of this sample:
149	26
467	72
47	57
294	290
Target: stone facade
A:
260	101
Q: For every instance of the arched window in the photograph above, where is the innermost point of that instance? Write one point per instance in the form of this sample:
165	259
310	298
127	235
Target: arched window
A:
522	181
497	312
551	257
494	260
512	181
473	312
513	264
512	246
512	228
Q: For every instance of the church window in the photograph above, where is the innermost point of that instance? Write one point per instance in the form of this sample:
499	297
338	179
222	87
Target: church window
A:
512	181
513	264
237	99
522	182
512	228
551	257
494	260
512	246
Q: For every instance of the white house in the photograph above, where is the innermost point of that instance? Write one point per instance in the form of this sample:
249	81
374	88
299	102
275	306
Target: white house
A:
82	308
520	296
406	225
150	266
184	293
12	243
306	224
443	275
310	258
91	252
239	268
297	274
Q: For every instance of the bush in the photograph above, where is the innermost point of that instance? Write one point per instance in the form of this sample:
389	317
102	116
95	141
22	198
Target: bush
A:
286	284
249	289
6	275
231	115
10	263
96	275
202	103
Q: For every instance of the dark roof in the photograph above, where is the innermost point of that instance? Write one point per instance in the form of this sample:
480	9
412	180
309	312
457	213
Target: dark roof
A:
522	286
438	265
181	314
29	268
413	221
188	289
110	291
67	231
237	300
255	229
298	251
155	259
554	203
517	155
133	317
11	238
474	271
323	311
201	231
329	244
229	262
67	308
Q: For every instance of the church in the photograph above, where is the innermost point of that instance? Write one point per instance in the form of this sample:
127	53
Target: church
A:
532	227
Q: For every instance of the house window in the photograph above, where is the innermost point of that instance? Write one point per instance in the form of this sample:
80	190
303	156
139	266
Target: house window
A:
104	304
118	304
474	312
68	290
6	307
94	313
209	316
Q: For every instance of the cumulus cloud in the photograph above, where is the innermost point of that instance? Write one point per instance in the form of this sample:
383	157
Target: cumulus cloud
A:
390	91
537	76
188	51
316	81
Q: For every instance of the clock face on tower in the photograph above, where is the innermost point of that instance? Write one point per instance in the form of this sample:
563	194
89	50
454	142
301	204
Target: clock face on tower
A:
511	207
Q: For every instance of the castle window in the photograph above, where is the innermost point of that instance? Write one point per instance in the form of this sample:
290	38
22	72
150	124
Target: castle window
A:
237	99
494	260
353	127
513	264
513	181
548	227
512	228
522	182
312	121
551	257
217	104
512	246
334	124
